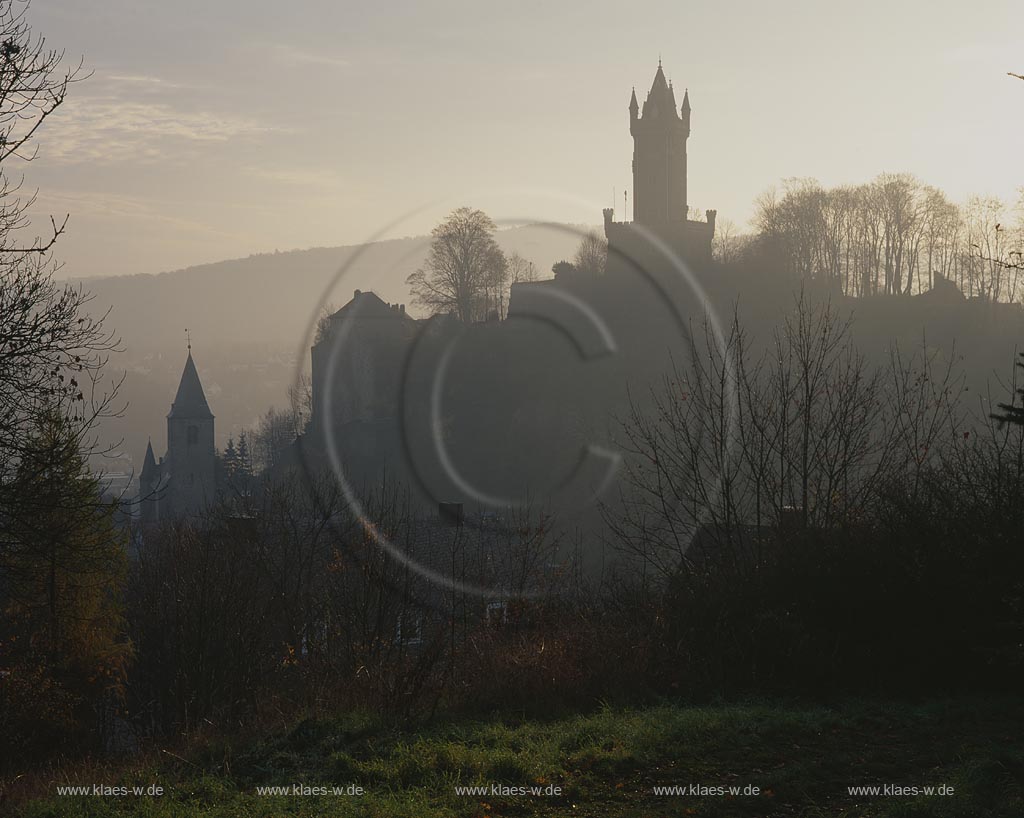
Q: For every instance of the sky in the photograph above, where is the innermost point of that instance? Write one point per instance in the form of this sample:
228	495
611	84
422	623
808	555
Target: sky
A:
213	130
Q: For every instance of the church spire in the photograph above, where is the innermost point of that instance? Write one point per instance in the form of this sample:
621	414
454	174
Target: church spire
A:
149	463
190	400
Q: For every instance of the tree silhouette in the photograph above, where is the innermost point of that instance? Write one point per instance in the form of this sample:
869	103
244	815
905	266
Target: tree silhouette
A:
563	268
61	553
61	579
463	268
591	254
1011	412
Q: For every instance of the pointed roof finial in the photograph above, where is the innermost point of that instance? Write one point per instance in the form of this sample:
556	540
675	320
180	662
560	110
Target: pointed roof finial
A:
188	337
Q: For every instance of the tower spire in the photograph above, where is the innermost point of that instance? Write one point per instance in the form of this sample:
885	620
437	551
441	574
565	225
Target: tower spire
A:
149	462
190	400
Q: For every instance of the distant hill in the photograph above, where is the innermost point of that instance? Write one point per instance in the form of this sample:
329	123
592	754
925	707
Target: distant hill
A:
271	298
250	319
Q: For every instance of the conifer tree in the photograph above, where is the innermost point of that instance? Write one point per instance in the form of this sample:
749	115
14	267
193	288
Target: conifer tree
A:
230	458
1011	412
63	627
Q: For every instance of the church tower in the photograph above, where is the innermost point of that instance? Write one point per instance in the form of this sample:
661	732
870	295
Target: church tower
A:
659	154
191	458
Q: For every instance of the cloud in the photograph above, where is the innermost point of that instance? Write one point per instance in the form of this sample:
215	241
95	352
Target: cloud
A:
117	208
320	178
106	129
142	79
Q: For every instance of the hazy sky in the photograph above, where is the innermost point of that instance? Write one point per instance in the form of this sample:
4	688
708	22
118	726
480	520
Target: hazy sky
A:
213	129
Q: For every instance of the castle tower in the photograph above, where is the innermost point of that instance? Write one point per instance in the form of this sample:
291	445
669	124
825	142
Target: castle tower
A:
191	457
660	234
659	155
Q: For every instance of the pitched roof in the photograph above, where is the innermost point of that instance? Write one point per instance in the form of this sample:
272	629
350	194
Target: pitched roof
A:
367	304
190	401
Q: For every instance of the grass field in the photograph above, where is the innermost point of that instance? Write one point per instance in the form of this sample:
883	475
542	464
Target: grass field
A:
802	759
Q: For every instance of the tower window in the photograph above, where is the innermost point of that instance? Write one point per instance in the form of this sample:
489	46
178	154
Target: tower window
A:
193	435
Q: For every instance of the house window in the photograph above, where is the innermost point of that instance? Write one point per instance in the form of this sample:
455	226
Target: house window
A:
409	628
497	613
193	435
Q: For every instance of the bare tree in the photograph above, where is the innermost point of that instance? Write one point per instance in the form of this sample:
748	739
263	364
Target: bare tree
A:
591	255
60	550
52	351
493	296
462	268
520	269
893	236
739	438
725	244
